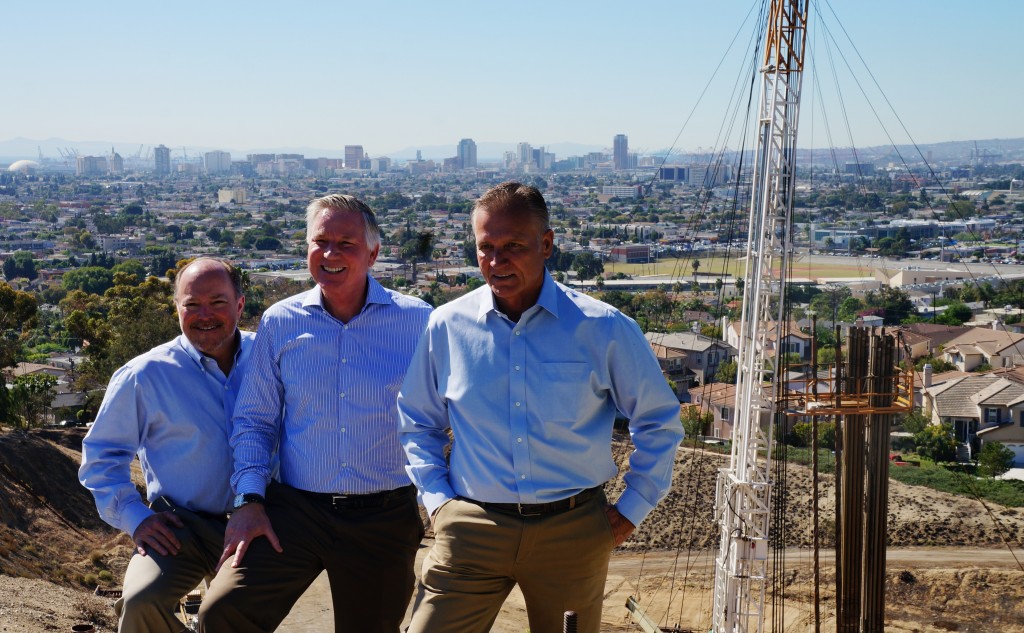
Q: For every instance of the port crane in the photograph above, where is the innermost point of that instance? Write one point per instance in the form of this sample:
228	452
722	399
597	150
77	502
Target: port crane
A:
744	488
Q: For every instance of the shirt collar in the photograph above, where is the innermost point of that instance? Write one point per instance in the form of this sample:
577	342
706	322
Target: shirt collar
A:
198	356
375	293
548	299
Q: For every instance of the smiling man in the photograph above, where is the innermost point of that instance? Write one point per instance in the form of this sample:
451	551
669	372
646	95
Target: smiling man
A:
172	407
529	376
327	367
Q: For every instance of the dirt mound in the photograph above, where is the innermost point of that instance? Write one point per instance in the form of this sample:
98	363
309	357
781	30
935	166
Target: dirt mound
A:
917	516
49	528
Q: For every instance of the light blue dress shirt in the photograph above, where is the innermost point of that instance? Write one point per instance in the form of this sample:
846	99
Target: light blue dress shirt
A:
323	393
532	403
171	406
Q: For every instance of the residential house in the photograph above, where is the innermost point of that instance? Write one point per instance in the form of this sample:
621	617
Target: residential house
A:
974	403
793	340
673	367
719	399
703	355
979	346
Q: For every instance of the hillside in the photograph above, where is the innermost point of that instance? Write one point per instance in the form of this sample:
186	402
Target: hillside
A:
55	549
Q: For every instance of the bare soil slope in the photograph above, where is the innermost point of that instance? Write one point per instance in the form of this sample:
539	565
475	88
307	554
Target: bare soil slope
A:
54	550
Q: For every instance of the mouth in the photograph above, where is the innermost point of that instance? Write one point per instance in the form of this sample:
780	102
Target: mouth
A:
207	328
333	271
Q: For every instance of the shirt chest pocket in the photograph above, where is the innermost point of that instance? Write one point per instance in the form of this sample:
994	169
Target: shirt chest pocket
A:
564	390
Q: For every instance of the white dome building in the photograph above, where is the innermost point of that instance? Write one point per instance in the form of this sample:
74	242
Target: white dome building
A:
24	166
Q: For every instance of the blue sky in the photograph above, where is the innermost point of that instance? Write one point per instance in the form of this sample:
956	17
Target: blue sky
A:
392	75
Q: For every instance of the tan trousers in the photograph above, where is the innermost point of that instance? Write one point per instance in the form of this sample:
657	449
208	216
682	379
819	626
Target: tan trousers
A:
154	584
369	554
560	563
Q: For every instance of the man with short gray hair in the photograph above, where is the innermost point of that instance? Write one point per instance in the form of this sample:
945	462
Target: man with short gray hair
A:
327	365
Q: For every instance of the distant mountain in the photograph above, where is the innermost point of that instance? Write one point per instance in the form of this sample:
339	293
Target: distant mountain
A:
995	150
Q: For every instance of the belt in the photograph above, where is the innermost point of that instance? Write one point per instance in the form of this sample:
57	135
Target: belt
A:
540	509
211	516
355	502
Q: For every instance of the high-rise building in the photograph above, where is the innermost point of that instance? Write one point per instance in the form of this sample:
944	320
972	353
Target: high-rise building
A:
115	164
90	165
353	156
467	154
217	162
524	154
620	151
162	160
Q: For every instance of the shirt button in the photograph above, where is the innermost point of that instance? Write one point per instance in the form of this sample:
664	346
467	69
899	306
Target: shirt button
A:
342	394
344	360
344	464
342	429
517	367
519	439
517	404
518	333
522	476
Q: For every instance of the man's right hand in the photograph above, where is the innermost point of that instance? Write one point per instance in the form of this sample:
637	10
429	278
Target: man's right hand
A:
157	532
246	525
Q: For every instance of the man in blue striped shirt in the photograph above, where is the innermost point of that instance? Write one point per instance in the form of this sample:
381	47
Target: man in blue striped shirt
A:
172	407
326	368
529	376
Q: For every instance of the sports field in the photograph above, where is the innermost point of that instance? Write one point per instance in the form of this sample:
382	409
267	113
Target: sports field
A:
812	267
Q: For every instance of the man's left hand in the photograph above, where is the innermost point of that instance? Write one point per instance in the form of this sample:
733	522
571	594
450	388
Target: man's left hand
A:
621	526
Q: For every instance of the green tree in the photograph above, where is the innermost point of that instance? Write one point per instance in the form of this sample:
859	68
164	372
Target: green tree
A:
31	396
133	267
694	422
726	372
936	442
995	459
20	264
90	279
587	265
914	421
955	313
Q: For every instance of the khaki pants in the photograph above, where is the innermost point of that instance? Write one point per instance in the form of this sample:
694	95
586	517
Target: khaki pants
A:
154	584
560	563
369	554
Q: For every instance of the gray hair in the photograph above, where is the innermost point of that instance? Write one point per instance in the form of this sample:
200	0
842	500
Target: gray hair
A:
345	203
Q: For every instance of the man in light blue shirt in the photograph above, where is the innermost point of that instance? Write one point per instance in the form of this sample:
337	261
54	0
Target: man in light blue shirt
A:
172	407
529	376
327	365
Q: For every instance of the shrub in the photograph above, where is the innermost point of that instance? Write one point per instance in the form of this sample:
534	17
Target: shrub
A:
994	459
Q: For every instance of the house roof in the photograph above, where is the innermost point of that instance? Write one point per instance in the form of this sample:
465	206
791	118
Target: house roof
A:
989	341
960	397
686	341
939	334
665	352
716	393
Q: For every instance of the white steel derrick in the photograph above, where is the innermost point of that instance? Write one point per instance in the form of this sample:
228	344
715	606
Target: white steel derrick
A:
743	495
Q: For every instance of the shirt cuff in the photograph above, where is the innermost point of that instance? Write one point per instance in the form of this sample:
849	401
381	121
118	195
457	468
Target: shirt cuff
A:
251	483
634	507
434	500
134	514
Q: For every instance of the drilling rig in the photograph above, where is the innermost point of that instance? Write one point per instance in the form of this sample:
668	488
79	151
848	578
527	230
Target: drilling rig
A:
743	493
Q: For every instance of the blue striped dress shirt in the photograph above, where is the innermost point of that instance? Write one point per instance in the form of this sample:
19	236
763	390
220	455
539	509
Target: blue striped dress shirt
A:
532	403
171	406
322	393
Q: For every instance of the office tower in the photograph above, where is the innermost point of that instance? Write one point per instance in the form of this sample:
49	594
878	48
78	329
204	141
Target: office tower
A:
115	164
353	156
524	154
90	165
162	160
217	162
620	151
467	154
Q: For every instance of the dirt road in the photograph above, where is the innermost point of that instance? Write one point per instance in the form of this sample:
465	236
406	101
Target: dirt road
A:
687	600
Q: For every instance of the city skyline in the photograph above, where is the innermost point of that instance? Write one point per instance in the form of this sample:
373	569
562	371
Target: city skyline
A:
207	76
